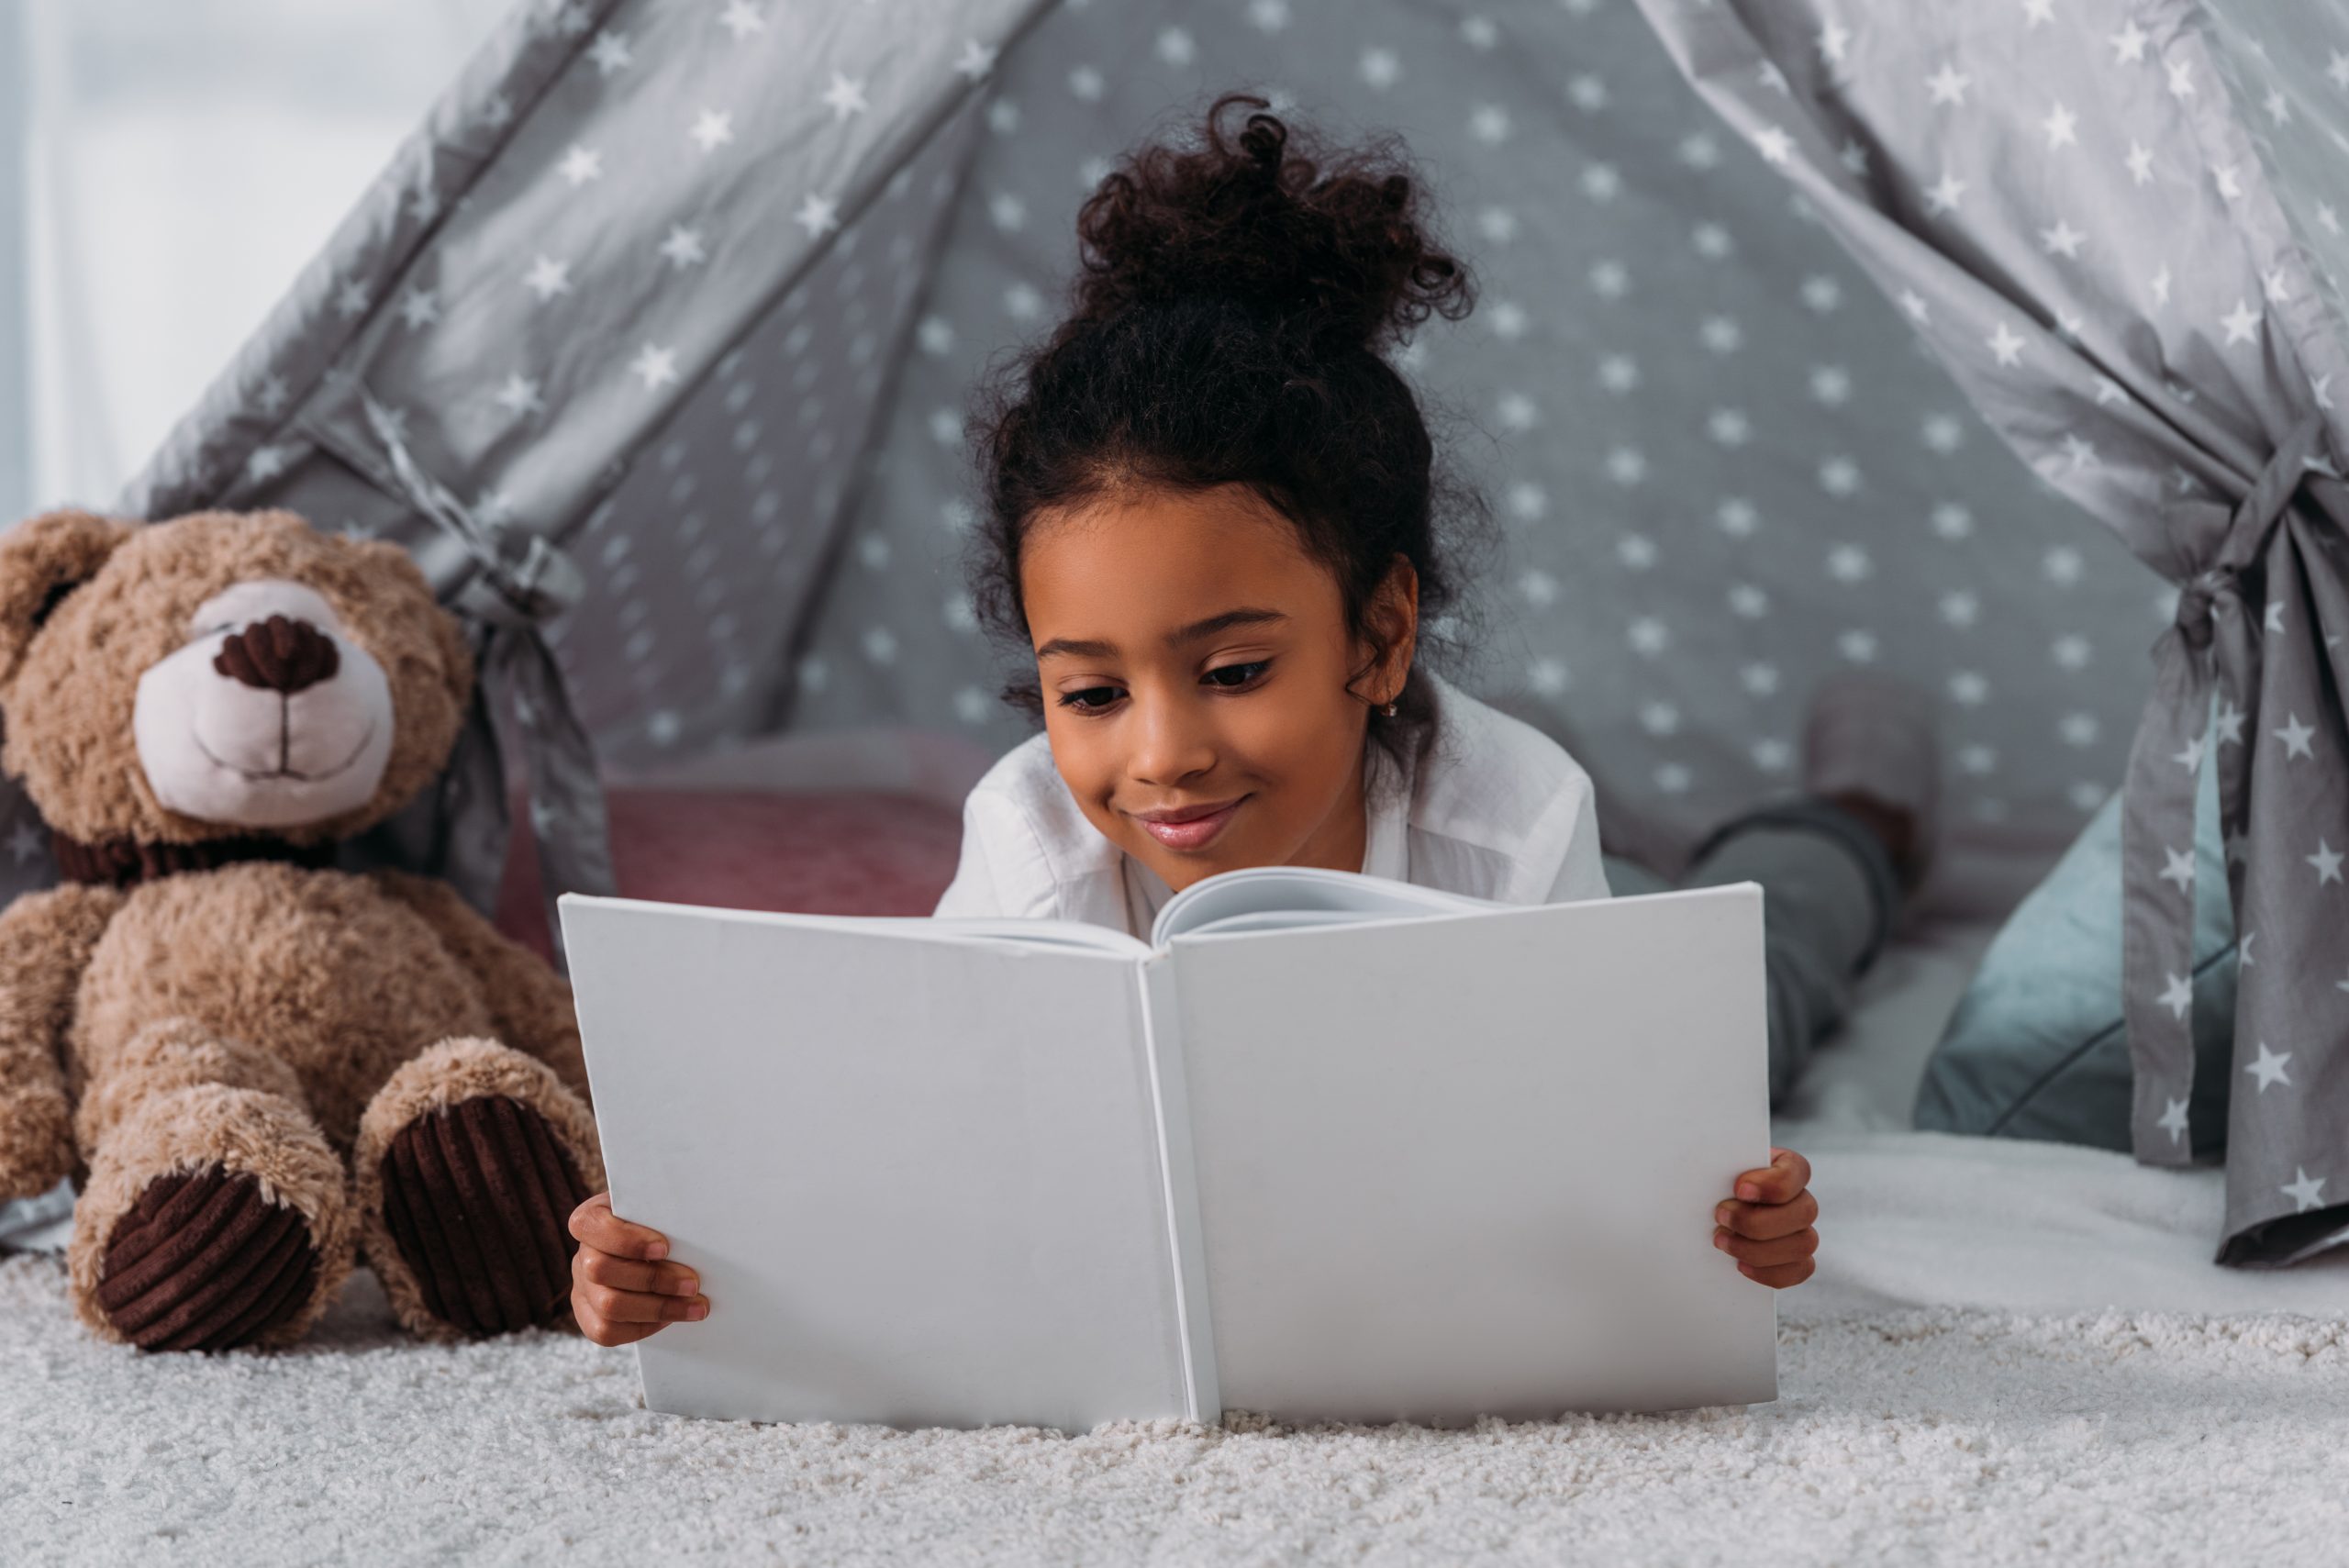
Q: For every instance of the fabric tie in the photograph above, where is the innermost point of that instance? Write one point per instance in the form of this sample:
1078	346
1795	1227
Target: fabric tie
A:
521	582
2212	639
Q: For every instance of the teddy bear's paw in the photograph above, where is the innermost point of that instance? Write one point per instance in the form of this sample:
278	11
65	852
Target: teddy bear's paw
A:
202	1262
477	1197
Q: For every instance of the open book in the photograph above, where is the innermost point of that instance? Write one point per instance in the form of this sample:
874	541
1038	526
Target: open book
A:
1327	1146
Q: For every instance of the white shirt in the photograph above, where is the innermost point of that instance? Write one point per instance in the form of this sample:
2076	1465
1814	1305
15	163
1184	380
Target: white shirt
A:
1492	807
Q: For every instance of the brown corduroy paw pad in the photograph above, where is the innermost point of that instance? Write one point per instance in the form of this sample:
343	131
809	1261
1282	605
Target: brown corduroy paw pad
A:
478	1198
203	1262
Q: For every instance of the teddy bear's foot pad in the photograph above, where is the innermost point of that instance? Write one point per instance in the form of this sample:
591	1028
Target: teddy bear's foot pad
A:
202	1262
478	1198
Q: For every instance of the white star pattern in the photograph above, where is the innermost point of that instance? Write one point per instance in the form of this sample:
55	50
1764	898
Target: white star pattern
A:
2172	1122
2327	861
2306	1192
2061	241
611	53
976	62
2178	867
581	166
845	97
2296	737
2268	1068
548	278
521	396
712	130
818	215
742	19
2179	997
655	366
682	247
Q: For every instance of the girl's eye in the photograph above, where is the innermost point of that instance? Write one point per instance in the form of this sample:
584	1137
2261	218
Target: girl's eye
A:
1230	677
1091	699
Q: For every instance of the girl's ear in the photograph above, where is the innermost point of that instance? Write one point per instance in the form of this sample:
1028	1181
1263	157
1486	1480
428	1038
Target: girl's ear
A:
1400	598
1393	615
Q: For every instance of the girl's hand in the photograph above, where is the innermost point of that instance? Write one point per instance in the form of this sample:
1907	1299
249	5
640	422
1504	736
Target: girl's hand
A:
620	1290
1767	1227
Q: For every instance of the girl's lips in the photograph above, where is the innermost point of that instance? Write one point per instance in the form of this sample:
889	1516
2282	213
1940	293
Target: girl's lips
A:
1194	834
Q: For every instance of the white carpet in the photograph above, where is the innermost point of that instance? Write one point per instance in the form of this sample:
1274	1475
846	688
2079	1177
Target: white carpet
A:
1971	1437
2012	1353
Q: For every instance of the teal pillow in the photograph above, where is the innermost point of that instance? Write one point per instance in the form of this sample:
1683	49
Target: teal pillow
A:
2037	1048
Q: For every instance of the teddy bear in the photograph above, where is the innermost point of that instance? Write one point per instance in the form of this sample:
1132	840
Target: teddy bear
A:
260	1067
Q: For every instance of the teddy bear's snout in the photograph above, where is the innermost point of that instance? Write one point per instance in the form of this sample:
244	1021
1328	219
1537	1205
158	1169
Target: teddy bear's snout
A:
270	715
283	654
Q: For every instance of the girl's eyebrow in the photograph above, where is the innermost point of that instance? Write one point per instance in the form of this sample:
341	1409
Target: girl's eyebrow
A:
1089	648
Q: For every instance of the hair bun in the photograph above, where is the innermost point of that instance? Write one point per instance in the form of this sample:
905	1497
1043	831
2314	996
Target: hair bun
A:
1336	244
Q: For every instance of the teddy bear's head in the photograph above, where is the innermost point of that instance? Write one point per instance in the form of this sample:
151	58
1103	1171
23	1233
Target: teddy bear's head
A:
220	676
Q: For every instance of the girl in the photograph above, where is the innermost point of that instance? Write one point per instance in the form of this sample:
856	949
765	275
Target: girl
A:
1216	528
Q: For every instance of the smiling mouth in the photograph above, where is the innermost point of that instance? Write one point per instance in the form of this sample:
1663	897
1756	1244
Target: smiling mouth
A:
275	774
1192	833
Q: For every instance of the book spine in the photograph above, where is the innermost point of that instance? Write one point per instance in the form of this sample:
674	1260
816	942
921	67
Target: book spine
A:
1162	1042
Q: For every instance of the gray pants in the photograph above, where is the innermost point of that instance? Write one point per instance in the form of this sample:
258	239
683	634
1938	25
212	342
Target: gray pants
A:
1829	895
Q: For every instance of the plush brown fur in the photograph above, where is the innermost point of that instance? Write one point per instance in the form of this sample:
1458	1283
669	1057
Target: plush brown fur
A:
259	1018
70	680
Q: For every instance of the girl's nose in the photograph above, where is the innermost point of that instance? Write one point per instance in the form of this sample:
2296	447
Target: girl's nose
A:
1171	743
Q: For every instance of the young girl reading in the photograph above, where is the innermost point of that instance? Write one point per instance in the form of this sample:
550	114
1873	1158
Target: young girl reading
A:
1216	526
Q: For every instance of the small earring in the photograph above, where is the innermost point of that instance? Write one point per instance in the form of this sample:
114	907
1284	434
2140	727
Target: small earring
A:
1387	710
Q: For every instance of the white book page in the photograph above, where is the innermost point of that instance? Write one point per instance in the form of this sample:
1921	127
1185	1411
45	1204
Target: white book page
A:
1277	897
1467	1165
919	1176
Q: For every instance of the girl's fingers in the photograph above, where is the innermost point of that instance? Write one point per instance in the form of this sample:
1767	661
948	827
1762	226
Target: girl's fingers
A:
594	1223
597	1331
1782	1276
619	1306
1786	1175
1767	1222
597	1267
1770	1253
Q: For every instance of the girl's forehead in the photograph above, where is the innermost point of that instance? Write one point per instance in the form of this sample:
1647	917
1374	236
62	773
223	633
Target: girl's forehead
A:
1161	529
1122	566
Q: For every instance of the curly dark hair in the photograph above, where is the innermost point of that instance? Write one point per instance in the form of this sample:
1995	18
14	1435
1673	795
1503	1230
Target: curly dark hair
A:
1235	293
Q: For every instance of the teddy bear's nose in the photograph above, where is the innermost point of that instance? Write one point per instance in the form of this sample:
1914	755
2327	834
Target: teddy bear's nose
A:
280	654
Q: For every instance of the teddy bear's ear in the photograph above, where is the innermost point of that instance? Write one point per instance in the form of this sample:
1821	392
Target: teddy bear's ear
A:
42	560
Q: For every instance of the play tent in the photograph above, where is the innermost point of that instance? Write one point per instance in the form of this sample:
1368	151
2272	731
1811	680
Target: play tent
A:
653	344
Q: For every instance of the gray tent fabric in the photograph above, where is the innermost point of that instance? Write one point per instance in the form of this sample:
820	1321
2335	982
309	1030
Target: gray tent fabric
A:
1720	465
688	298
492	323
2083	219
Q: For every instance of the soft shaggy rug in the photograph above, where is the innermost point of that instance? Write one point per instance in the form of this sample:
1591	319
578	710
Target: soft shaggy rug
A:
1923	1436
